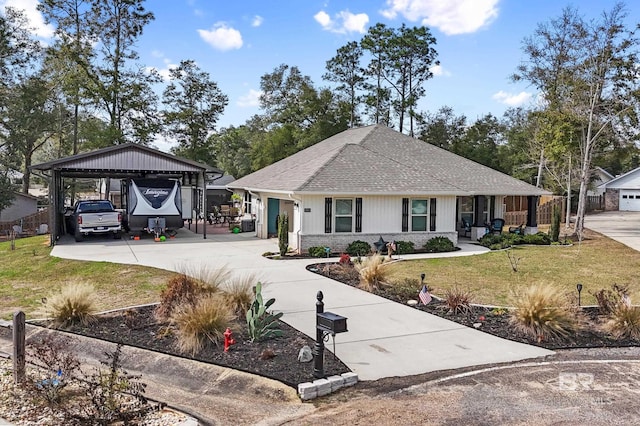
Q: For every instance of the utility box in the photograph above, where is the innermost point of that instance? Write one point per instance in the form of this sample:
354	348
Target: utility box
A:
332	323
248	225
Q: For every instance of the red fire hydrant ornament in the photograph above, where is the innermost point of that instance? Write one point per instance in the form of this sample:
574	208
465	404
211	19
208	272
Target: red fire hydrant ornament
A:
228	339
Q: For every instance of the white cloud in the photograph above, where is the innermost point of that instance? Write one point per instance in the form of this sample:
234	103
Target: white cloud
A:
222	37
510	99
449	16
35	18
323	18
251	99
439	71
344	22
257	21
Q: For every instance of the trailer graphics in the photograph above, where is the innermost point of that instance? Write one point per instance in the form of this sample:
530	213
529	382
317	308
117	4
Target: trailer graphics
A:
153	205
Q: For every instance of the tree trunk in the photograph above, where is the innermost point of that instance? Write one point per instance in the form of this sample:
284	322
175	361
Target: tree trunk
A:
540	165
567	220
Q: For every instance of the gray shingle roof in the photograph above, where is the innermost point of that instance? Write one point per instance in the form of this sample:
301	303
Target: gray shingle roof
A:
380	160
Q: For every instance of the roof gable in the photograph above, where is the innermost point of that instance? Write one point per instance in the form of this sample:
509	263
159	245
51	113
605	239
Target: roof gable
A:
629	180
128	157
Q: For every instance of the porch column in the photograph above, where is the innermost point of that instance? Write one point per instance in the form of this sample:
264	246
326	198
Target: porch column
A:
478	229
532	215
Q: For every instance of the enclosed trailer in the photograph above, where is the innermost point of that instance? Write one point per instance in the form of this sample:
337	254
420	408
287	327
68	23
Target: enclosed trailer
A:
152	205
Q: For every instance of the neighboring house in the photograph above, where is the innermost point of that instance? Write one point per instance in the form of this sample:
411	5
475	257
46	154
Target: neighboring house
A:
23	205
622	192
599	176
369	182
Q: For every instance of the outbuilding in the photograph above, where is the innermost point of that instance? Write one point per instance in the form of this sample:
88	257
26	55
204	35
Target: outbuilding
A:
124	161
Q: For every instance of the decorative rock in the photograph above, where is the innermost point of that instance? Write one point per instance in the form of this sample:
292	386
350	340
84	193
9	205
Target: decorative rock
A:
323	386
412	302
477	324
305	354
336	382
307	391
350	378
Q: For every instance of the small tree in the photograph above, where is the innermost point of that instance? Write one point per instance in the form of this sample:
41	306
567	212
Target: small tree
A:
283	233
554	232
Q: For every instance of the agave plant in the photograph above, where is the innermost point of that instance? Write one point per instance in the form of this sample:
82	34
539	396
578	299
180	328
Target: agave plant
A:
261	323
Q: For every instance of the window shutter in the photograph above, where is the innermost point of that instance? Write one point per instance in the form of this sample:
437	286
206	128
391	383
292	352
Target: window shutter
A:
432	215
405	215
328	202
358	214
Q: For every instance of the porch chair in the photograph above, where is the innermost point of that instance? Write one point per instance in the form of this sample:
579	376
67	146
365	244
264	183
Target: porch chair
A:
495	226
518	230
466	227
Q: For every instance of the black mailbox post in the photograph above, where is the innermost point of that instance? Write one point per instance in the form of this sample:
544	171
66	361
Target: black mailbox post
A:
326	323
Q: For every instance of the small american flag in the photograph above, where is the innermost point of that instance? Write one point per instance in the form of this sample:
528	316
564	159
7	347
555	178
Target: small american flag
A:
424	295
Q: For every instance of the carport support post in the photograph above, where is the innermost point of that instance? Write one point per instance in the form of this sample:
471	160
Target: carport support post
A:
318	348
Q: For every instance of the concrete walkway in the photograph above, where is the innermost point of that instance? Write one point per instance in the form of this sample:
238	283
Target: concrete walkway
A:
385	338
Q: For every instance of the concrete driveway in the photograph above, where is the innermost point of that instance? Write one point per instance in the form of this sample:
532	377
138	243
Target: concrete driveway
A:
623	227
385	338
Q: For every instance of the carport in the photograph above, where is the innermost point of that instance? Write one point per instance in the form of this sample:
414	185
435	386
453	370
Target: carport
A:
122	161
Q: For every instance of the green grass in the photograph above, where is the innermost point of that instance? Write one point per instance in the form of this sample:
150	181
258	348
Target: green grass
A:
29	273
597	263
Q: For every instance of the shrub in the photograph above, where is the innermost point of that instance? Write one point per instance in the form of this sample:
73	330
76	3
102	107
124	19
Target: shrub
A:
106	392
181	290
372	272
283	233
202	322
238	293
358	248
439	245
75	304
608	300
554	231
317	251
261	323
345	259
543	313
58	365
458	300
500	241
341	272
540	239
624	322
405	247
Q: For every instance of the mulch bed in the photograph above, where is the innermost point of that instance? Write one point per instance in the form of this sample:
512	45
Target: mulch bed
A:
275	358
486	319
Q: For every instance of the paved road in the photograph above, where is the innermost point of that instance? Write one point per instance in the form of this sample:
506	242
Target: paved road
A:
385	339
620	226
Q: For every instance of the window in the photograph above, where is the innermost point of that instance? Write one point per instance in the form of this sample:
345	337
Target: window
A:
247	203
344	215
466	209
419	214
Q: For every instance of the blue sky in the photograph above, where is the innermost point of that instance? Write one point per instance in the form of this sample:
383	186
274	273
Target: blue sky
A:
236	42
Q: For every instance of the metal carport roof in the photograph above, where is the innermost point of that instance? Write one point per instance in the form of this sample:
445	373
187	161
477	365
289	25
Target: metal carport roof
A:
118	161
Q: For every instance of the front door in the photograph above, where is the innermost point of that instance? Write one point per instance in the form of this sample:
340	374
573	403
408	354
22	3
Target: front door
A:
273	209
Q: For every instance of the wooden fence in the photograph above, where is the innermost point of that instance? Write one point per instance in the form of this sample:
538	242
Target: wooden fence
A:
29	223
544	213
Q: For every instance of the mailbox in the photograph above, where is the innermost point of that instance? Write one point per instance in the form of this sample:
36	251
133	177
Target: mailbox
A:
330	322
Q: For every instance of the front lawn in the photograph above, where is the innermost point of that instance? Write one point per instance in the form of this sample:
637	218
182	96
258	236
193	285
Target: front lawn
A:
29	273
598	262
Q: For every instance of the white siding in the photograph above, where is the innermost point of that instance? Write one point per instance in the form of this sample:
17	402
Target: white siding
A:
381	214
313	219
631	181
445	214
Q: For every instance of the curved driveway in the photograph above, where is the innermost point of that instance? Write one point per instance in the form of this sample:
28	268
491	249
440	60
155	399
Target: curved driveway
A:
385	339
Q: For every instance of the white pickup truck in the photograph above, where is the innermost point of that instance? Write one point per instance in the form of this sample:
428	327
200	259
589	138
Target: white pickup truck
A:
95	217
